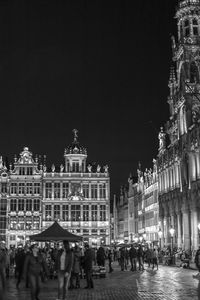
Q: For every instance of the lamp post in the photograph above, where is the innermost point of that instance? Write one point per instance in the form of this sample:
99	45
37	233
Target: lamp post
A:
171	231
160	236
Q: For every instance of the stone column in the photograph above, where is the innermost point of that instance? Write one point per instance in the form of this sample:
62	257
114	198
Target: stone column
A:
179	236
194	229
197	163
186	229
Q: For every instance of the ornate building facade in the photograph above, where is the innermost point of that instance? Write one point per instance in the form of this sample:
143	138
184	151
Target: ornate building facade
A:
179	160
77	195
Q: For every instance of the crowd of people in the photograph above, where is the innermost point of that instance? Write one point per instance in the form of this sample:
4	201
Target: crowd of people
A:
68	265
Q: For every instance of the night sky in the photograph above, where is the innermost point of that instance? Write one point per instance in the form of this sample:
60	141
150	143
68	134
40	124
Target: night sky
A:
99	66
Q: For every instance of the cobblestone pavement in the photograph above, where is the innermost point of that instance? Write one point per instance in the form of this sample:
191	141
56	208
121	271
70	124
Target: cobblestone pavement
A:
168	283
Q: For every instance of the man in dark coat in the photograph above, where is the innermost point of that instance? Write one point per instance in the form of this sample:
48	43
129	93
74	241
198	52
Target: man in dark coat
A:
88	258
19	261
101	257
63	266
133	258
33	265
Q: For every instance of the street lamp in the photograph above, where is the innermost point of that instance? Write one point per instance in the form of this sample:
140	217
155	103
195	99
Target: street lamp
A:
160	235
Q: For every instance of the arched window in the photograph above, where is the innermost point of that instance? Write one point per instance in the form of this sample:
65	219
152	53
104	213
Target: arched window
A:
187	27
195	26
194	74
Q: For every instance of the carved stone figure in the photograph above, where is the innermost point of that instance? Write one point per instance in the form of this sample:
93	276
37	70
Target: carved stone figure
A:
89	167
53	168
61	168
162	139
106	169
98	168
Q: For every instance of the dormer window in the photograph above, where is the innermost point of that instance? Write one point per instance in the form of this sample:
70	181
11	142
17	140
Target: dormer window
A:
187	27
195	26
75	167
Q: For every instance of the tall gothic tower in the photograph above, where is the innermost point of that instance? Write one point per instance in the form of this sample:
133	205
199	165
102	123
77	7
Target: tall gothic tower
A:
184	81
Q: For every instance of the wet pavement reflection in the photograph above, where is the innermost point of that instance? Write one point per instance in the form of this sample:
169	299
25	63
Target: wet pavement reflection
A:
168	283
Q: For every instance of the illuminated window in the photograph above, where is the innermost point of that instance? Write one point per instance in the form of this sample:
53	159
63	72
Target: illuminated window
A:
28	204
85	212
4	187
102	191
29	171
20	225
94	212
75	166
36	205
28	223
13	223
29	188
65	189
48	212
102	212
65	211
56	211
22	171
75	212
195	26
48	190
13	205
13	188
37	188
186	27
85	190
94	191
21	188
12	237
36	223
56	190
21	204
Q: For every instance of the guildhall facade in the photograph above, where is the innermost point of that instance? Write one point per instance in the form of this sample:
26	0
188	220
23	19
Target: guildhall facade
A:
77	196
165	206
179	161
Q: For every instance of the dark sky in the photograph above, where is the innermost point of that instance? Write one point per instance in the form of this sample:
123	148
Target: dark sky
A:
99	66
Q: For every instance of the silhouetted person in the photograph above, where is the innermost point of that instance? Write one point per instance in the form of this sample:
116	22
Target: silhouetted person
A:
63	266
33	265
19	261
88	259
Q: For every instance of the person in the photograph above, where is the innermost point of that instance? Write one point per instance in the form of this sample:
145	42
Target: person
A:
63	266
101	257
133	258
122	259
155	258
88	258
19	261
149	256
197	260
140	254
110	259
33	265
76	268
2	269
